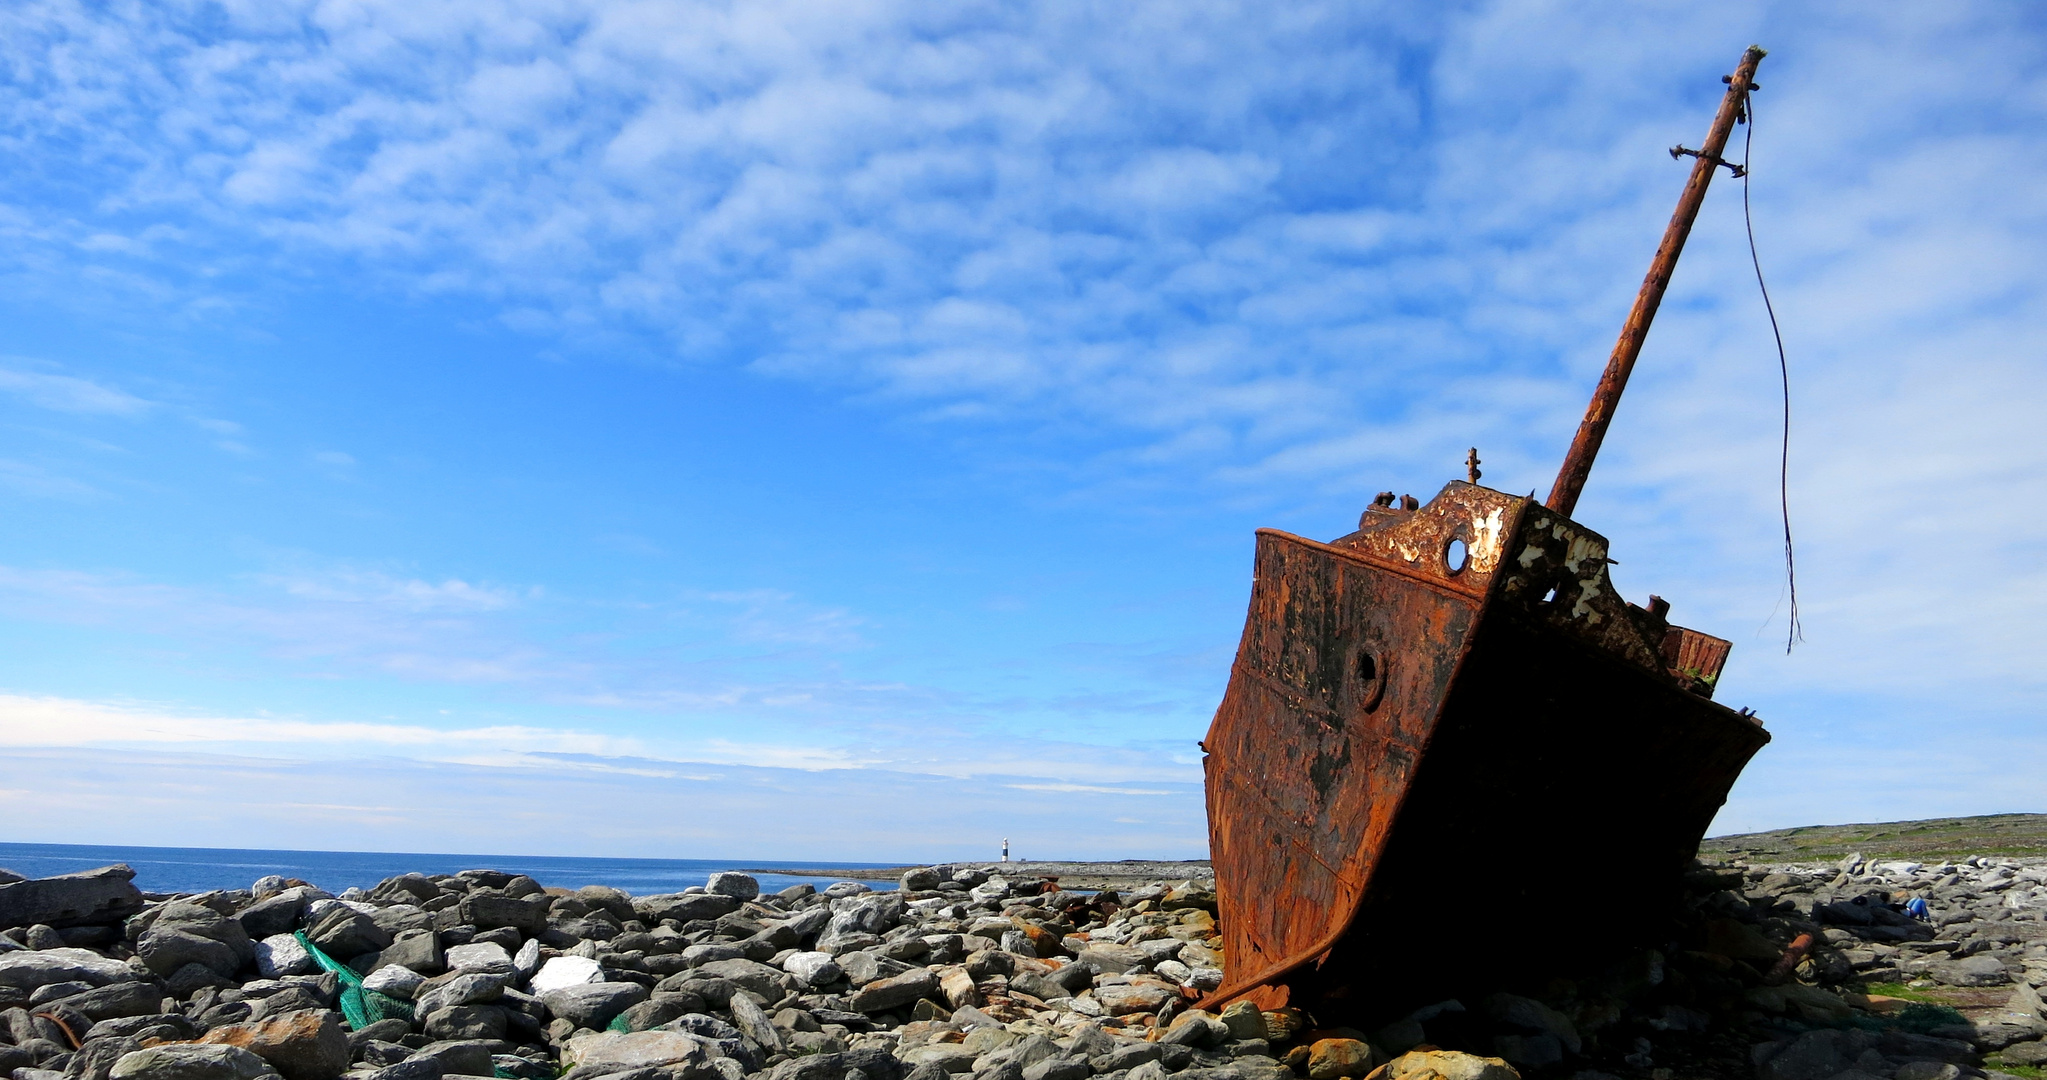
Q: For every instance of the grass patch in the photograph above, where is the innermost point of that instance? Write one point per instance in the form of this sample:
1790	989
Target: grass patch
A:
1900	990
2030	1072
1932	840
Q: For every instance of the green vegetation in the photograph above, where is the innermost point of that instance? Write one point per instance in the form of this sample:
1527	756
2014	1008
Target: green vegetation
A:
1900	990
1923	841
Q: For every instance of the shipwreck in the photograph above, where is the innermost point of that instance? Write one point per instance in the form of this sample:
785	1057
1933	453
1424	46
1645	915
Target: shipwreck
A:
1436	723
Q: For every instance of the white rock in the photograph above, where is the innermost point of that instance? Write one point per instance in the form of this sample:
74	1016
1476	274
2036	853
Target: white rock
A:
322	906
734	883
484	956
565	971
634	1050
813	968
396	980
30	969
528	959
191	1061
281	954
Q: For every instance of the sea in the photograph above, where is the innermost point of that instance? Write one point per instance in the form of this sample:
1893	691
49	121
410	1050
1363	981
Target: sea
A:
186	870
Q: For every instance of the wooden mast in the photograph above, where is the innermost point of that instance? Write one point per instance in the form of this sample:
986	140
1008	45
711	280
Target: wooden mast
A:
1563	497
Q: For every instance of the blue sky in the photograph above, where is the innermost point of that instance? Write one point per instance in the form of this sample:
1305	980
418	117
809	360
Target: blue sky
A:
813	431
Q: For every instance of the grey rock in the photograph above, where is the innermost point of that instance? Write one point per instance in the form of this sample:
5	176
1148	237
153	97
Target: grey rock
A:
277	914
192	978
96	1059
811	1067
474	988
920	879
593	1005
527	960
191	1061
1113	959
417	1067
465	1022
863	967
996	1068
378	1054
346	933
463	1057
1980	970
705	1026
708	951
49	992
2026	1053
753	1022
1125	1056
289	999
1058	1068
28	970
167	948
896	991
401	918
809	922
1533	1017
1815	1055
171	1027
394	980
486	956
1197	1028
683	907
747	975
420	951
528	915
390	1030
2024	999
660	1009
116	1000
101	897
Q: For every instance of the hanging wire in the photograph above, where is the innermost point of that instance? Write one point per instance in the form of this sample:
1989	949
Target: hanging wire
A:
1795	632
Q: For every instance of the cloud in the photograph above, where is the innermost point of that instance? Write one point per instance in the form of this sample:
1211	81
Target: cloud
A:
56	722
68	393
318	780
732	813
1256	261
27	478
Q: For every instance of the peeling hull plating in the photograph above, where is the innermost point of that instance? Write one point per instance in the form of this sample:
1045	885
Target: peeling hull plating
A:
1454	685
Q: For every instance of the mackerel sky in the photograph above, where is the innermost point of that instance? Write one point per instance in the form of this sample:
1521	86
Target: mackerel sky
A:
836	430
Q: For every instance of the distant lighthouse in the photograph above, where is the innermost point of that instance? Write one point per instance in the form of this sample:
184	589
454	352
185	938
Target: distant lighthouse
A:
1005	849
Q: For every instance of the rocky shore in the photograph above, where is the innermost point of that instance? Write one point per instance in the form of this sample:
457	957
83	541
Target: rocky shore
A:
1783	972
1122	875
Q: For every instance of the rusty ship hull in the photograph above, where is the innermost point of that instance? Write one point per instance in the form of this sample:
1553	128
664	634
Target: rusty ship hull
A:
1440	722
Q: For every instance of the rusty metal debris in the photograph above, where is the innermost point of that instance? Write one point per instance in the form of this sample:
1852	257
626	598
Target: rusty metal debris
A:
1457	684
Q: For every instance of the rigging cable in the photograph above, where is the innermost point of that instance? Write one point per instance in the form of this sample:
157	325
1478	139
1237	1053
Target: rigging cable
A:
1795	632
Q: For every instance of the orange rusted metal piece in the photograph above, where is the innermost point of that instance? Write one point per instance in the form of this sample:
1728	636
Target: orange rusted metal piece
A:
1434	724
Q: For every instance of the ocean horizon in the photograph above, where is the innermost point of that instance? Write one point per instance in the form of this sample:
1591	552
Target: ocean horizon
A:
196	869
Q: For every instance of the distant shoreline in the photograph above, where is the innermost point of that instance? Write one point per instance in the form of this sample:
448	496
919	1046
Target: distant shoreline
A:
1120	874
